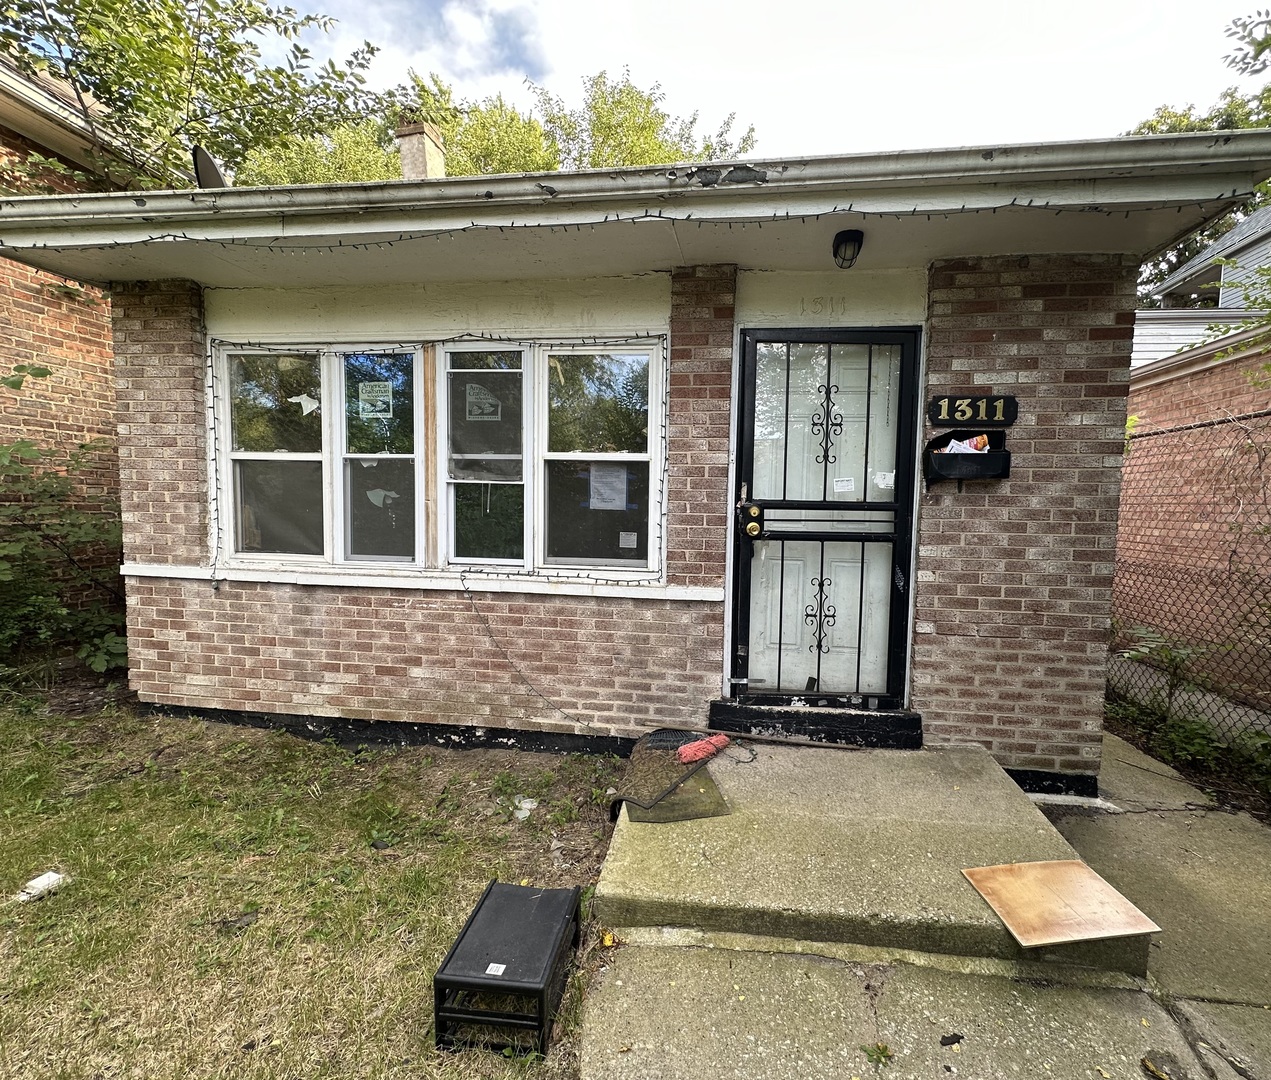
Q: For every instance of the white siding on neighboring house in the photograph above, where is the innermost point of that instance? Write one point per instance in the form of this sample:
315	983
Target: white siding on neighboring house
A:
1247	260
1161	332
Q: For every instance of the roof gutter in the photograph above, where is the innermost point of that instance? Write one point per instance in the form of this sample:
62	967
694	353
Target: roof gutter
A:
1117	164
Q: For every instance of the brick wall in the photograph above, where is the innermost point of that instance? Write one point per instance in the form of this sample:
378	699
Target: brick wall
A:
49	321
160	381
1193	559
1014	576
566	663
576	664
18	178
703	302
65	327
1209	394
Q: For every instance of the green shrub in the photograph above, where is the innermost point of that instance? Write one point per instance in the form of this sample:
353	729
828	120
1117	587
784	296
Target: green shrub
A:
59	561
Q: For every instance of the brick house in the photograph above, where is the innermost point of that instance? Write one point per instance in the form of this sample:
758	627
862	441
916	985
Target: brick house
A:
575	454
46	319
1193	562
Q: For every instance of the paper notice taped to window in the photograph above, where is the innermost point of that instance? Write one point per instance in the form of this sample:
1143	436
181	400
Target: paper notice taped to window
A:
844	484
885	480
608	486
628	540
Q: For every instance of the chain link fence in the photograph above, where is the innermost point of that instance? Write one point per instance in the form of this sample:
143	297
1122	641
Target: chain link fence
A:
1192	591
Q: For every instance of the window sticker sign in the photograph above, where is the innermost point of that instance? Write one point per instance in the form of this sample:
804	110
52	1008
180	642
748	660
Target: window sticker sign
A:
608	486
482	404
375	400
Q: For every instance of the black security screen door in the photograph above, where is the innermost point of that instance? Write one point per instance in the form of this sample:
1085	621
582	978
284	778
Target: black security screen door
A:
825	516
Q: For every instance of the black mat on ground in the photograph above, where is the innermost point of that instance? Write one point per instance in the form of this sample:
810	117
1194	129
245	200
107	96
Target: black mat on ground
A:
657	787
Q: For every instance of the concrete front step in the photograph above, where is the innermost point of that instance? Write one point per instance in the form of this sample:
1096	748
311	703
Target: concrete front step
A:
864	847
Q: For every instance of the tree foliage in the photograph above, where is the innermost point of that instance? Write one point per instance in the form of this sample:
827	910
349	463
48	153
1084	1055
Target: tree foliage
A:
617	124
620	124
1252	34
346	154
481	138
152	78
59	561
1232	111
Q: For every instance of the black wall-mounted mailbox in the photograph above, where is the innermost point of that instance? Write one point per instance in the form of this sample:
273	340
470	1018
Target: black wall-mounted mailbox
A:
991	464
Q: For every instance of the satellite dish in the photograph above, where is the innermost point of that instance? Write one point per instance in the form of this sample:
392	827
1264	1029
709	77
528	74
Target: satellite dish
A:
207	173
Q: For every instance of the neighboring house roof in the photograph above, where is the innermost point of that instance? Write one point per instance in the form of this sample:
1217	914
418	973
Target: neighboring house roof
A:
1199	271
1116	196
48	113
45	111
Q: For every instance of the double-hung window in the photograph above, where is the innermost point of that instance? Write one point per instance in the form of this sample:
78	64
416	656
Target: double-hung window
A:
299	419
544	458
596	459
486	459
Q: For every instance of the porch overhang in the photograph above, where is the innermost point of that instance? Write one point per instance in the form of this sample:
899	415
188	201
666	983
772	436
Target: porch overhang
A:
1128	195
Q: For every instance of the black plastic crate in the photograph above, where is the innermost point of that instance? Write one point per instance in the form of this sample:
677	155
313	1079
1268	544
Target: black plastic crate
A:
506	971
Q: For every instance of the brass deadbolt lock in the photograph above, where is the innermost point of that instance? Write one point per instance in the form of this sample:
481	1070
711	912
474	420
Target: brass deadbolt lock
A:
753	528
754	512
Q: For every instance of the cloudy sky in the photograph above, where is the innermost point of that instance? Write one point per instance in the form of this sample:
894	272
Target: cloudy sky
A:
827	76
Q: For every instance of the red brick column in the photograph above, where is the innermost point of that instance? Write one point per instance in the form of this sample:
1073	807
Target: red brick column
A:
1015	576
160	378
703	300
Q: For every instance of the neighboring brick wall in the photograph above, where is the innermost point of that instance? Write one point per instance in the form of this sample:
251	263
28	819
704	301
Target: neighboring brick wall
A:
15	149
1193	556
49	321
65	327
1014	576
703	300
569	663
1226	389
160	380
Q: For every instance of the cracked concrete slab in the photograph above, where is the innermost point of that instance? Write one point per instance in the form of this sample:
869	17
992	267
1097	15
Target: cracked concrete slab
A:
1239	1035
1203	875
667	1013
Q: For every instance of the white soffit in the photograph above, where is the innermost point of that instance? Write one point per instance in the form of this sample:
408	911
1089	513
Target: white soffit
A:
1114	196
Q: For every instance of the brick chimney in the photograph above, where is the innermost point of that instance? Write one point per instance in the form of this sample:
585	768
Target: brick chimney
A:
423	157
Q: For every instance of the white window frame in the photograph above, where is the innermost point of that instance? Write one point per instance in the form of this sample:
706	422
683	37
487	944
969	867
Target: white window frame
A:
438	533
654	454
447	484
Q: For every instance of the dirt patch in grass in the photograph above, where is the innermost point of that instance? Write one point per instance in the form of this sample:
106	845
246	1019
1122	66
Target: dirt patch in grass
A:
244	903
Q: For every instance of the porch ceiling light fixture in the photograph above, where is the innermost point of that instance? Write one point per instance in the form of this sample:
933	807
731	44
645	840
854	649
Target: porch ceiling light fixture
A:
847	246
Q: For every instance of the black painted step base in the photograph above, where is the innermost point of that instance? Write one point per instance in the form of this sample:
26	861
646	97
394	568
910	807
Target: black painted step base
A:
900	730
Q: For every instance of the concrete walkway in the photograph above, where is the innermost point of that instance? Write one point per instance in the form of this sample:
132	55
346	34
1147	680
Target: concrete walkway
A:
700	990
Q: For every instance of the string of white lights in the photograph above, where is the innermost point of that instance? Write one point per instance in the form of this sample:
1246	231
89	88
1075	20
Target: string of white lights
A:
217	463
279	245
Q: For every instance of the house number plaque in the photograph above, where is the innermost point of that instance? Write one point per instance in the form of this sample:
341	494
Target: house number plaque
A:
996	411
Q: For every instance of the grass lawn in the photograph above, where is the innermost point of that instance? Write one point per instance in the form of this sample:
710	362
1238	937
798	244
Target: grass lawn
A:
245	903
